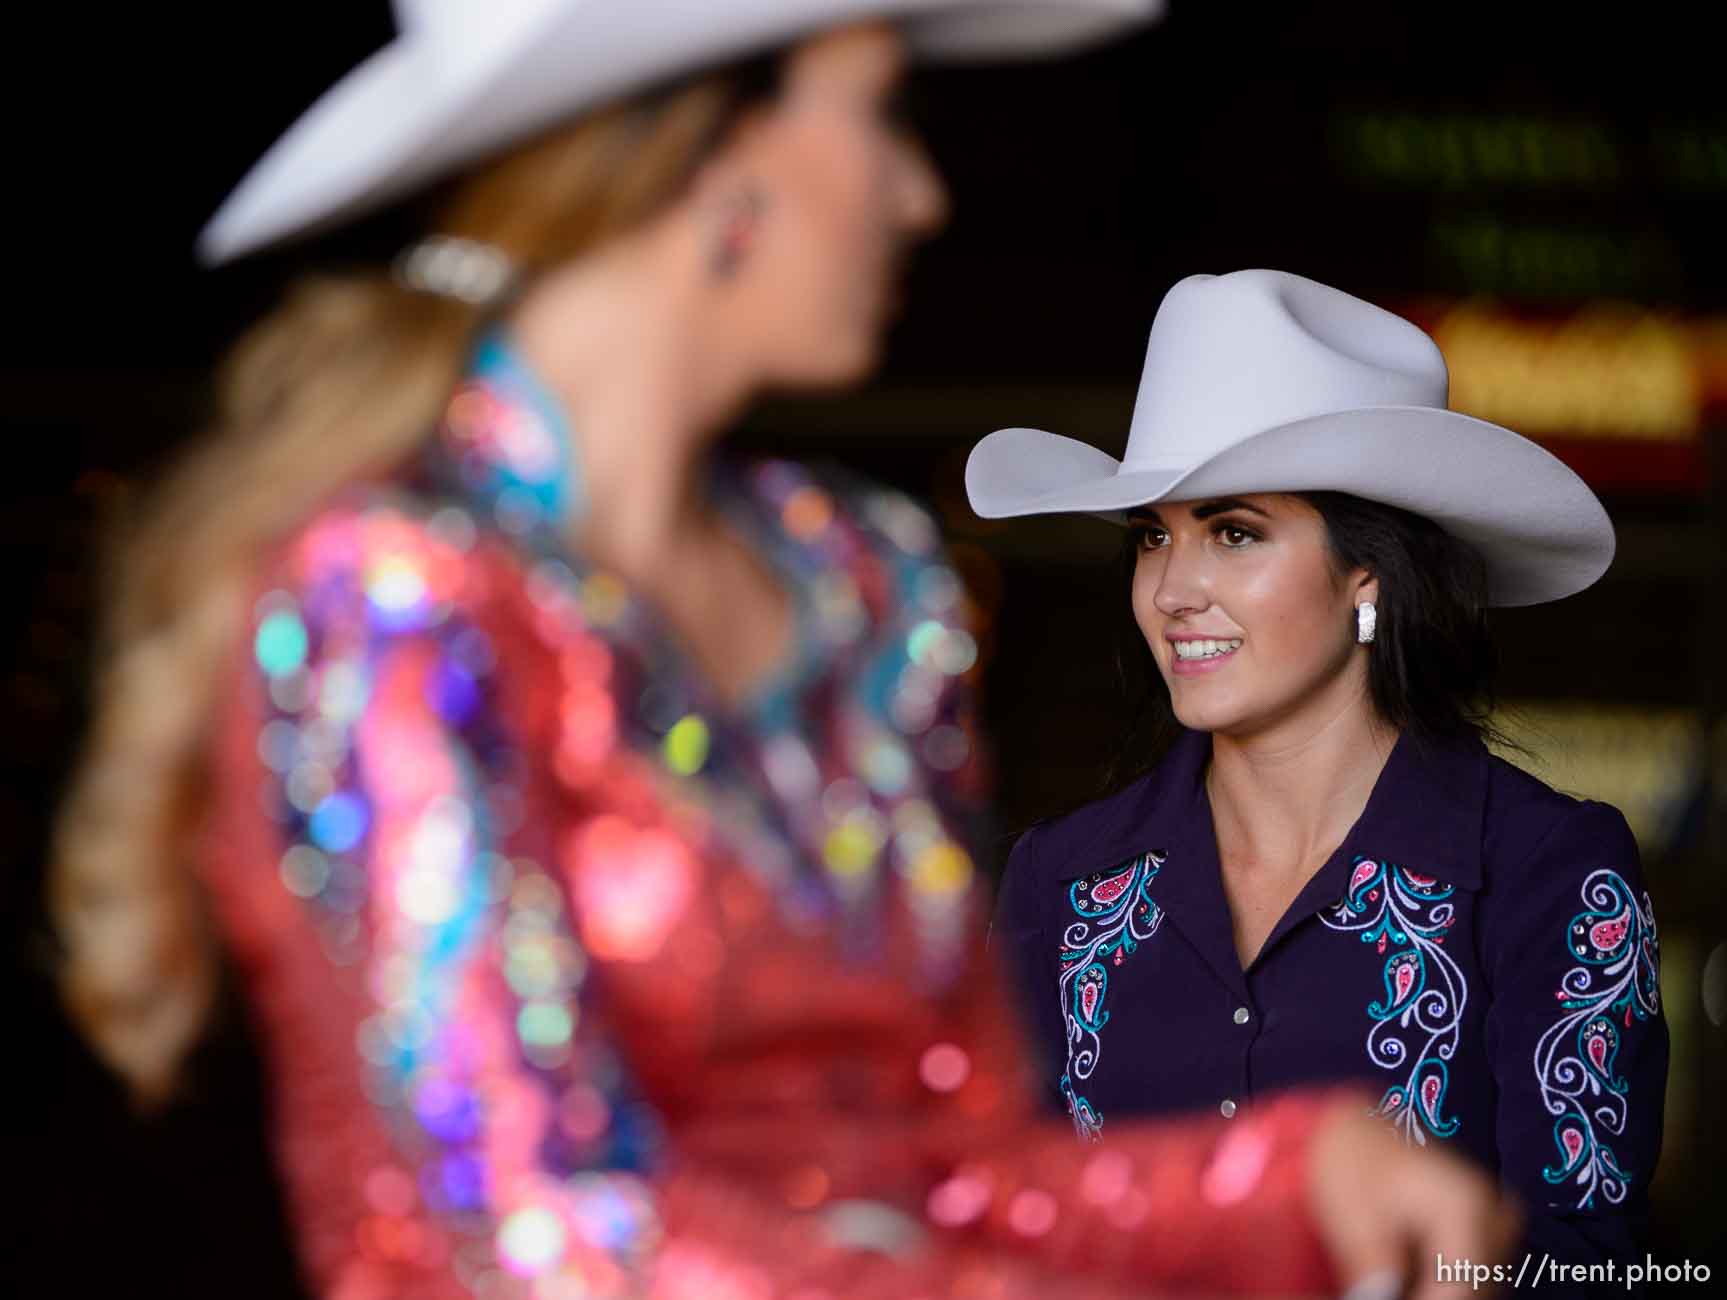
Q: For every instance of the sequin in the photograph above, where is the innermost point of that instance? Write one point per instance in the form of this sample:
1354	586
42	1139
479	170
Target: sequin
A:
844	799
280	643
946	748
1032	1212
686	745
309	784
924	641
531	966
959	1200
791	768
305	871
851	848
914	704
907	526
279	744
942	870
453	526
427	896
395	585
1107	1178
342	692
604	599
462	1180
584	1114
390	1191
446	1111
807	512
338	823
944	1067
530	1241
807	1187
938	590
544	1024
1237	1166
291	691
886	766
632	886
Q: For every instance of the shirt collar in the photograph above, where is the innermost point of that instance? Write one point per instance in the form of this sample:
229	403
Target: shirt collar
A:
1427	812
508	441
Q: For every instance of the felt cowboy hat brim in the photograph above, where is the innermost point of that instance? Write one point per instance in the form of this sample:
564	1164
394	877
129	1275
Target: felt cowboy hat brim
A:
1263	381
465	79
1540	530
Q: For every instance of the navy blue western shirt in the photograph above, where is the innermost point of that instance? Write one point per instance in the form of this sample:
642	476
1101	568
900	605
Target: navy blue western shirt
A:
1480	954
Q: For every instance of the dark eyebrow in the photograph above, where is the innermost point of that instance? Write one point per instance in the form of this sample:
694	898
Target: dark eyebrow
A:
1204	510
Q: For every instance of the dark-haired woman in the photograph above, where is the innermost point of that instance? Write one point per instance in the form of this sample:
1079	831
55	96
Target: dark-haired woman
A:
1327	876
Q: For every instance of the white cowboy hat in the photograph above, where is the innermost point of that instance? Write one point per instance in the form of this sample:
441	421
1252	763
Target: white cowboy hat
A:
465	77
1260	381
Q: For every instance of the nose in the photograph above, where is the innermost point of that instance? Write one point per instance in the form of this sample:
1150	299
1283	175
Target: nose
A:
1182	585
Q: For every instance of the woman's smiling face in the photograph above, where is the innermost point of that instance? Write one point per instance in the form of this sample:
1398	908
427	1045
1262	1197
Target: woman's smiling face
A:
1251	624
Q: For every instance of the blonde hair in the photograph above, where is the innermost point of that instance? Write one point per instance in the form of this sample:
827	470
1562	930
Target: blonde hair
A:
339	384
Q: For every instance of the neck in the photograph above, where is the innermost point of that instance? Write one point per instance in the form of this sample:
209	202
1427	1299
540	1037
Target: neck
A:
629	342
1283	800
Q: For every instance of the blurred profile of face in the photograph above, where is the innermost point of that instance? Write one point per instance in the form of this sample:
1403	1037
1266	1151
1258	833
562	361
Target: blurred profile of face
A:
1252	627
846	190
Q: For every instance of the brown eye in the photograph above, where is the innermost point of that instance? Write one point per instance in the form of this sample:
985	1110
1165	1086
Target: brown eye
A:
1148	537
1235	537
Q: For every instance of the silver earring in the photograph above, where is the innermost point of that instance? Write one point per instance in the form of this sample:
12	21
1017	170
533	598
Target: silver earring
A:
1366	622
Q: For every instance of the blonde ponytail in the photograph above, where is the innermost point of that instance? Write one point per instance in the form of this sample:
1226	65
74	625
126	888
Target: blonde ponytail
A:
339	384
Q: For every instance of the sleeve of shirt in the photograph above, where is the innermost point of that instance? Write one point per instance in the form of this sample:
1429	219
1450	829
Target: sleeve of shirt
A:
449	1106
1018	941
1577	1039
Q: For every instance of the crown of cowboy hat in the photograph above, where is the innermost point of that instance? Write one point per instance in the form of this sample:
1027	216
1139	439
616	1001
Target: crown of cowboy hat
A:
466	77
1260	381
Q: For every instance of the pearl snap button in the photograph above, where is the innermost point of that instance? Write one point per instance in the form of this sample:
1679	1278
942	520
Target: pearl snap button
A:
1228	1108
1241	1014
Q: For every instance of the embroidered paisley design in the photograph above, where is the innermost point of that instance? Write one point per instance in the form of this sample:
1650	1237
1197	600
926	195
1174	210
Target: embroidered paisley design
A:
1616	979
1417	1025
1115	914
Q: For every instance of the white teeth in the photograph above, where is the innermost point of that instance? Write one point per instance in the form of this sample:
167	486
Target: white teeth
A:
1205	649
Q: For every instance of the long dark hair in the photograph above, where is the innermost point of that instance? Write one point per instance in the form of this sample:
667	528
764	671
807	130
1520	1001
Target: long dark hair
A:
1433	662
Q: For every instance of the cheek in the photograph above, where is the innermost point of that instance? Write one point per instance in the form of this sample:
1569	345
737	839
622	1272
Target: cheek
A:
833	224
1292	614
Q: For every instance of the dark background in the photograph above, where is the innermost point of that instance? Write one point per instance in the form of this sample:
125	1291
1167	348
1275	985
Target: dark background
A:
1544	158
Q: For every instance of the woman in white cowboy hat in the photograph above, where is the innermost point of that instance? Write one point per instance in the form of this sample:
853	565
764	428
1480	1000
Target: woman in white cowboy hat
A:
1327	876
580	812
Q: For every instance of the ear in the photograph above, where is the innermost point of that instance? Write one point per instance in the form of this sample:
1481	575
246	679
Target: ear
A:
1364	586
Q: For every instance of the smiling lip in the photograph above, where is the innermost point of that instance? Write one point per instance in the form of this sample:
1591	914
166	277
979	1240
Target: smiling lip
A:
1194	667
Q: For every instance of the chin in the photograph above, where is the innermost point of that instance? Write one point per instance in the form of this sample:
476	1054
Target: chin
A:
1210	715
839	367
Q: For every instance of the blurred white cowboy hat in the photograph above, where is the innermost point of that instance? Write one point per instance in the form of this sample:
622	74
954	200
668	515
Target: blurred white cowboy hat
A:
1260	381
466	77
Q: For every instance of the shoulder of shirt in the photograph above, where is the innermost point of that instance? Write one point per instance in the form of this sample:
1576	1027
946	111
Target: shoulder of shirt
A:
1534	830
1069	843
889	519
437	537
